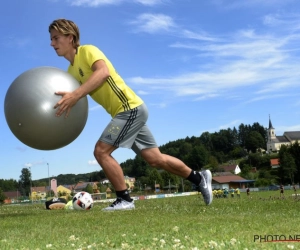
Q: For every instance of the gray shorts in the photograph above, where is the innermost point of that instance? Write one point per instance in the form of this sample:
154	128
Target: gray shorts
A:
129	130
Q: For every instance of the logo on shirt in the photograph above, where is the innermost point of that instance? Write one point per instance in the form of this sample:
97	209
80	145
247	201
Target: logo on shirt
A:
80	72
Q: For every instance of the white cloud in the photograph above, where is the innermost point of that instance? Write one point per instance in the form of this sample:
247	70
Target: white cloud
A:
15	42
237	4
93	162
35	163
202	36
281	129
149	2
153	23
257	63
159	105
230	124
289	22
96	3
141	92
94	108
93	3
156	23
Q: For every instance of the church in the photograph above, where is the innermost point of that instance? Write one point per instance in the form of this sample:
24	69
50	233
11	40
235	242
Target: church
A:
274	142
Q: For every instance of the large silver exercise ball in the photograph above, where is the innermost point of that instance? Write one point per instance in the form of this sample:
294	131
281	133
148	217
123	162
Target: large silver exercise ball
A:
29	111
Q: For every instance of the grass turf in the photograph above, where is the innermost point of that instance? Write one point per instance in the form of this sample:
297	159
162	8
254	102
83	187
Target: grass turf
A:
168	223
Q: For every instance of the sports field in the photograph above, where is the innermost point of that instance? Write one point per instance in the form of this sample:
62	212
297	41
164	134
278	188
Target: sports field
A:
167	223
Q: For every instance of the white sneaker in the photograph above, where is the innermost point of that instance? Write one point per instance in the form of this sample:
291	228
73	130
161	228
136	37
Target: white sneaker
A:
205	186
120	204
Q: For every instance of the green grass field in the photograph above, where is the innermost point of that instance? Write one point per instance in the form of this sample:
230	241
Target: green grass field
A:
167	223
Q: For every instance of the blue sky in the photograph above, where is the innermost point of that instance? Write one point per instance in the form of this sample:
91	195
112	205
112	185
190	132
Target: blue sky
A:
199	66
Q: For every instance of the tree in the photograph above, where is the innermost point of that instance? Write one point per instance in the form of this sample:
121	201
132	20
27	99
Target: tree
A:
138	167
287	163
154	178
295	152
89	188
245	168
262	131
254	160
95	176
265	178
25	181
237	152
242	134
169	178
184	149
205	139
2	196
143	182
197	158
8	185
213	163
254	141
223	141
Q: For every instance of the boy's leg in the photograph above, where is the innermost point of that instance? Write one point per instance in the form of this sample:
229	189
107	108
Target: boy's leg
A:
175	166
120	132
115	175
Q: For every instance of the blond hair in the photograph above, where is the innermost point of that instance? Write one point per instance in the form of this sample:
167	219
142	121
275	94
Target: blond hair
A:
66	27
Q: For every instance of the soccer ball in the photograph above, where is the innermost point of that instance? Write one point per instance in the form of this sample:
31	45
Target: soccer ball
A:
82	201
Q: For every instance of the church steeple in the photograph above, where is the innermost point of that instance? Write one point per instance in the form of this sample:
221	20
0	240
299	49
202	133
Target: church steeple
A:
271	131
270	123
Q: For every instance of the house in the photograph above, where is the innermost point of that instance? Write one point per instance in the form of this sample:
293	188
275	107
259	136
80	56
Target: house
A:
38	193
80	186
274	142
231	168
12	196
104	181
274	163
62	190
71	187
130	181
228	180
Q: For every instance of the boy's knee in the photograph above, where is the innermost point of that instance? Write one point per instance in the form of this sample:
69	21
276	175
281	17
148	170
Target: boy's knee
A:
102	150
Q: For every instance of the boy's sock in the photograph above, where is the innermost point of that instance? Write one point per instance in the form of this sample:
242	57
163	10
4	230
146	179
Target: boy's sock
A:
194	177
124	194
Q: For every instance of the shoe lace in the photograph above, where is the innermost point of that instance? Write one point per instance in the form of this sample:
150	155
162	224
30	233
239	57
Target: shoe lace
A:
116	202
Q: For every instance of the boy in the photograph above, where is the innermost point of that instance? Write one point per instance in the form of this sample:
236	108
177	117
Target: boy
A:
128	129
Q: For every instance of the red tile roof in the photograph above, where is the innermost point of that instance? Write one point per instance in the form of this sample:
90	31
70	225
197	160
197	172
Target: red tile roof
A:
38	189
222	173
227	178
12	194
229	168
274	162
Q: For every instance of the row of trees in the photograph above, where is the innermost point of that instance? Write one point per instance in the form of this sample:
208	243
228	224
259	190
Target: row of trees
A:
2	196
210	150
22	185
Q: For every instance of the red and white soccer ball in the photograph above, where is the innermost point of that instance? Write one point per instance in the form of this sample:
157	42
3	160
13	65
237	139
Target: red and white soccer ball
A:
83	201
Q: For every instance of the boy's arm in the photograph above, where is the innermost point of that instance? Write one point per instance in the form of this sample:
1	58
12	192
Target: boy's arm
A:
69	99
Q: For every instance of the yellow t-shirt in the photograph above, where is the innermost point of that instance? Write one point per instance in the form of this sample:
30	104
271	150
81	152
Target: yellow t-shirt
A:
113	95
